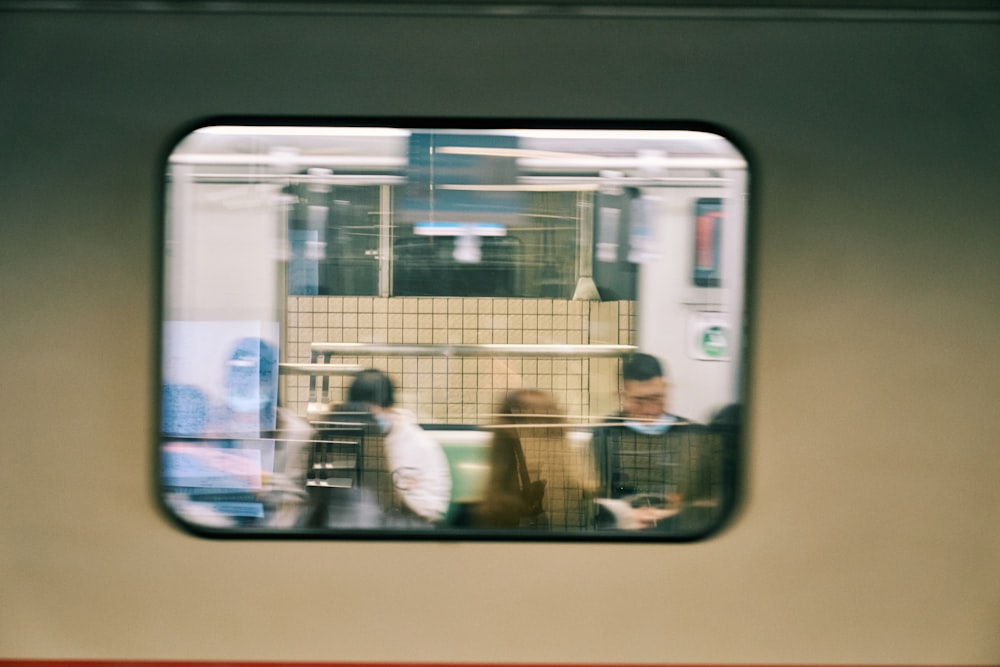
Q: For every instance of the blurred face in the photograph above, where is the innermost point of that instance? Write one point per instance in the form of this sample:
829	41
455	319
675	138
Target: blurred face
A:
644	399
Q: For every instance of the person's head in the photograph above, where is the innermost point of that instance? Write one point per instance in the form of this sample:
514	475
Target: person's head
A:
530	405
251	381
644	387
372	387
537	409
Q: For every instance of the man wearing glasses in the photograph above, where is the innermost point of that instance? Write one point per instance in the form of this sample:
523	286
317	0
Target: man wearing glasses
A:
652	464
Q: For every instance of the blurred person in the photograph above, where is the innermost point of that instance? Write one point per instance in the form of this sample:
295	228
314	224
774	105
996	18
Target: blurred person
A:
535	480
416	462
727	424
284	438
250	388
651	463
247	463
286	500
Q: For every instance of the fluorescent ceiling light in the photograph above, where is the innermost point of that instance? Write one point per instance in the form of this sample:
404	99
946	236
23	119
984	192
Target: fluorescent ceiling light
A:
302	131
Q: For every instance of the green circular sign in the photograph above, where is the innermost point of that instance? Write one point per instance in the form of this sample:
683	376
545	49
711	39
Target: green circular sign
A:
714	342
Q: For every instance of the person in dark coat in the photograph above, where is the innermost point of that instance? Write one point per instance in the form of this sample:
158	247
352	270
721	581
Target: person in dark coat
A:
654	467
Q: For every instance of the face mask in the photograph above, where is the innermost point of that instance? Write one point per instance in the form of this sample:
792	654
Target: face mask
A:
658	427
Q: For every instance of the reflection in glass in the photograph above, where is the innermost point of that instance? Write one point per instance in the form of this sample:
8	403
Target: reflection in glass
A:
558	315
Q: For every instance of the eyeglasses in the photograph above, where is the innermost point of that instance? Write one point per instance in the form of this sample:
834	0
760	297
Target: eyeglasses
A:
646	400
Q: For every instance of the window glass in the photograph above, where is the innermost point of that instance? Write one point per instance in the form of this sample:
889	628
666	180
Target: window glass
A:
456	333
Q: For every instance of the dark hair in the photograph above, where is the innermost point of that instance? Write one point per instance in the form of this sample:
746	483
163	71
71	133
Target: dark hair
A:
641	367
372	386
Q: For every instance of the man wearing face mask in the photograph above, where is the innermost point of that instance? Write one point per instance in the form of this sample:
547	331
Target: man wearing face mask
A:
416	462
647	458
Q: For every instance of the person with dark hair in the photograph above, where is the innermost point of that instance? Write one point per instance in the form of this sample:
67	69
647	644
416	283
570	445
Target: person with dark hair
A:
641	367
416	462
372	387
643	395
649	460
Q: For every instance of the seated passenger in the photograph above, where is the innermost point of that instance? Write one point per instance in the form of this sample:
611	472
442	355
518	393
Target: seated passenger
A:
416	462
254	473
251	396
535	480
653	466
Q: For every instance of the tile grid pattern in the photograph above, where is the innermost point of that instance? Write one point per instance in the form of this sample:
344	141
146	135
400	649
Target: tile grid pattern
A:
467	389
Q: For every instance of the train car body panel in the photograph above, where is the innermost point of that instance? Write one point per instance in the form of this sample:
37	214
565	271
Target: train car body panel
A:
867	532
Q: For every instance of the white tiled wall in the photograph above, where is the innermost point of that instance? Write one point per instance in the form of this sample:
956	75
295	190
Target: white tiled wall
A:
467	389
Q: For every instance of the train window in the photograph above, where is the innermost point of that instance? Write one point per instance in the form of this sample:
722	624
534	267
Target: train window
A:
452	333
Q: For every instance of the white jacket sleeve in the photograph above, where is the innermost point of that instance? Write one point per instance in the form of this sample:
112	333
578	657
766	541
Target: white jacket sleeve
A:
419	467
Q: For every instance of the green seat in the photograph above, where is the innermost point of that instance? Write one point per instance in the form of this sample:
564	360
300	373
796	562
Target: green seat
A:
468	453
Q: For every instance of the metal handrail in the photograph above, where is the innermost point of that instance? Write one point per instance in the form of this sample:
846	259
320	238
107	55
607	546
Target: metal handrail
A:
319	369
326	351
470	350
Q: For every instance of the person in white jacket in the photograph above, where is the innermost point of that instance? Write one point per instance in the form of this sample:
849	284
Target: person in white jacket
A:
417	463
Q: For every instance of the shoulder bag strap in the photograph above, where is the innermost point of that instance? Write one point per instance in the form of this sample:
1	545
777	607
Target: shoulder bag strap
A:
522	468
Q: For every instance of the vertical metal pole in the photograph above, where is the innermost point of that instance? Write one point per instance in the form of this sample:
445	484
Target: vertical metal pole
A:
385	228
586	289
734	268
284	258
